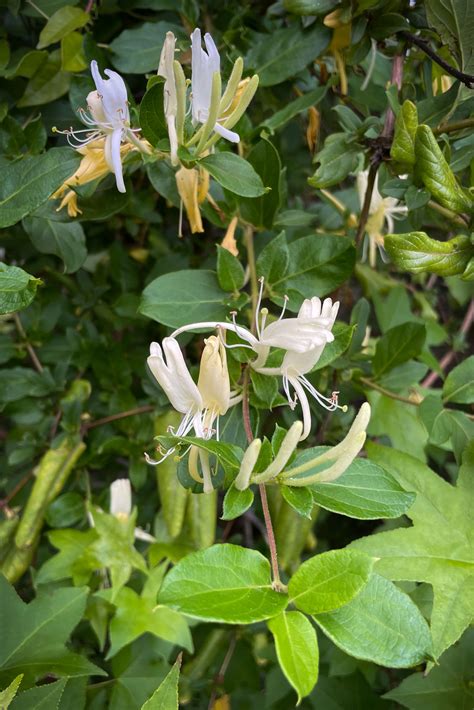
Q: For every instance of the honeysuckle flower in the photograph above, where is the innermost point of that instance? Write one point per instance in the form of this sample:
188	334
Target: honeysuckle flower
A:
201	404
246	474
107	117
193	186
166	70
331	464
382	211
296	365
93	166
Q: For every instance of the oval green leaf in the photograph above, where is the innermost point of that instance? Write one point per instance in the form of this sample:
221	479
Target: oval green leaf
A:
234	173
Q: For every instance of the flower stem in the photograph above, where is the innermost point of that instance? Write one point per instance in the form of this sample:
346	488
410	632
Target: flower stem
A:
276	584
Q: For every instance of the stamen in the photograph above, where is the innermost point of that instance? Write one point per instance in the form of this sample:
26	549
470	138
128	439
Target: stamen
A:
264	314
287	298
329	403
233	314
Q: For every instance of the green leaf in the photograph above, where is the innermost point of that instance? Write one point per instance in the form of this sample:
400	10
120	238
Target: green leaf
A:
342	339
64	239
46	697
403	146
29	182
25	63
436	548
234	173
33	635
137	615
64	21
137	51
7	695
230	272
436	174
418	253
224	583
398	345
459	384
300	499
317	264
17	288
72	53
273	260
454	23
19	382
260	212
227	453
236	502
165	696
182	297
448	685
364	491
284	53
309	7
152	114
50	82
381	625
72	544
302	103
297	650
329	580
337	159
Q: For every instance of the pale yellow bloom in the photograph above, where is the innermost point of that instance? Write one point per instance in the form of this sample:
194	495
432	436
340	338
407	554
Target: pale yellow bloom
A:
193	186
229	241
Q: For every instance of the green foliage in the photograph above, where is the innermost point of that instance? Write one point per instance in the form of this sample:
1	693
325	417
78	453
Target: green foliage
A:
147	592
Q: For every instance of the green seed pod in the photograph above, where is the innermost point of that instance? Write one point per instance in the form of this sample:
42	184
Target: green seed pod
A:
7	533
201	517
173	496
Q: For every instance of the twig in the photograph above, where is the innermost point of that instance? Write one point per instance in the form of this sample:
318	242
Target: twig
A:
89	6
388	393
219	679
454	126
121	415
449	357
21	484
31	351
456	218
364	215
467	79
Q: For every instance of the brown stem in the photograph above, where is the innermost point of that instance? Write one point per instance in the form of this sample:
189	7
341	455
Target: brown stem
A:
449	357
467	79
21	484
397	78
364	215
388	393
121	415
31	351
449	214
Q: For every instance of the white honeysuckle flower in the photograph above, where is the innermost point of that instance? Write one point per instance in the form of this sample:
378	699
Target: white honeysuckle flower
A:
107	116
337	457
201	404
296	365
308	332
205	65
166	70
382	211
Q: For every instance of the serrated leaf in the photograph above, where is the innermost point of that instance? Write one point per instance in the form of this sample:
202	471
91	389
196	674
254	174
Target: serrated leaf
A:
17	288
29	182
297	650
234	173
165	696
33	635
224	583
328	581
7	695
417	252
437	548
381	625
45	697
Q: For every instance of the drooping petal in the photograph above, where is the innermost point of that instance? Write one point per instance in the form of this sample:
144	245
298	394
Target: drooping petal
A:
114	158
231	136
113	94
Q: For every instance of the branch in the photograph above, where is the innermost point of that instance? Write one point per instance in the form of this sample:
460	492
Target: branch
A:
467	79
121	415
31	351
364	215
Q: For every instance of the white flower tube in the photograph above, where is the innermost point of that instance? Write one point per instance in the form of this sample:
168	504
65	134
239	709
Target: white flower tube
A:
166	70
121	498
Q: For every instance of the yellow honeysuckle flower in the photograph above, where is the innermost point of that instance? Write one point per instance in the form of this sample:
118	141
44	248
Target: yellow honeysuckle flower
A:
193	186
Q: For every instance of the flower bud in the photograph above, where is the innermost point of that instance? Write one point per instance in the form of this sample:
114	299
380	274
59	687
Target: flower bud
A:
213	383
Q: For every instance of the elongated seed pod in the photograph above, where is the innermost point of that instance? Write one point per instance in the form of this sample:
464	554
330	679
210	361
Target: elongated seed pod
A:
173	496
201	516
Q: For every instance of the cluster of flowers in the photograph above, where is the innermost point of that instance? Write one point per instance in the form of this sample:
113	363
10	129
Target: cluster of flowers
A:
303	339
108	136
